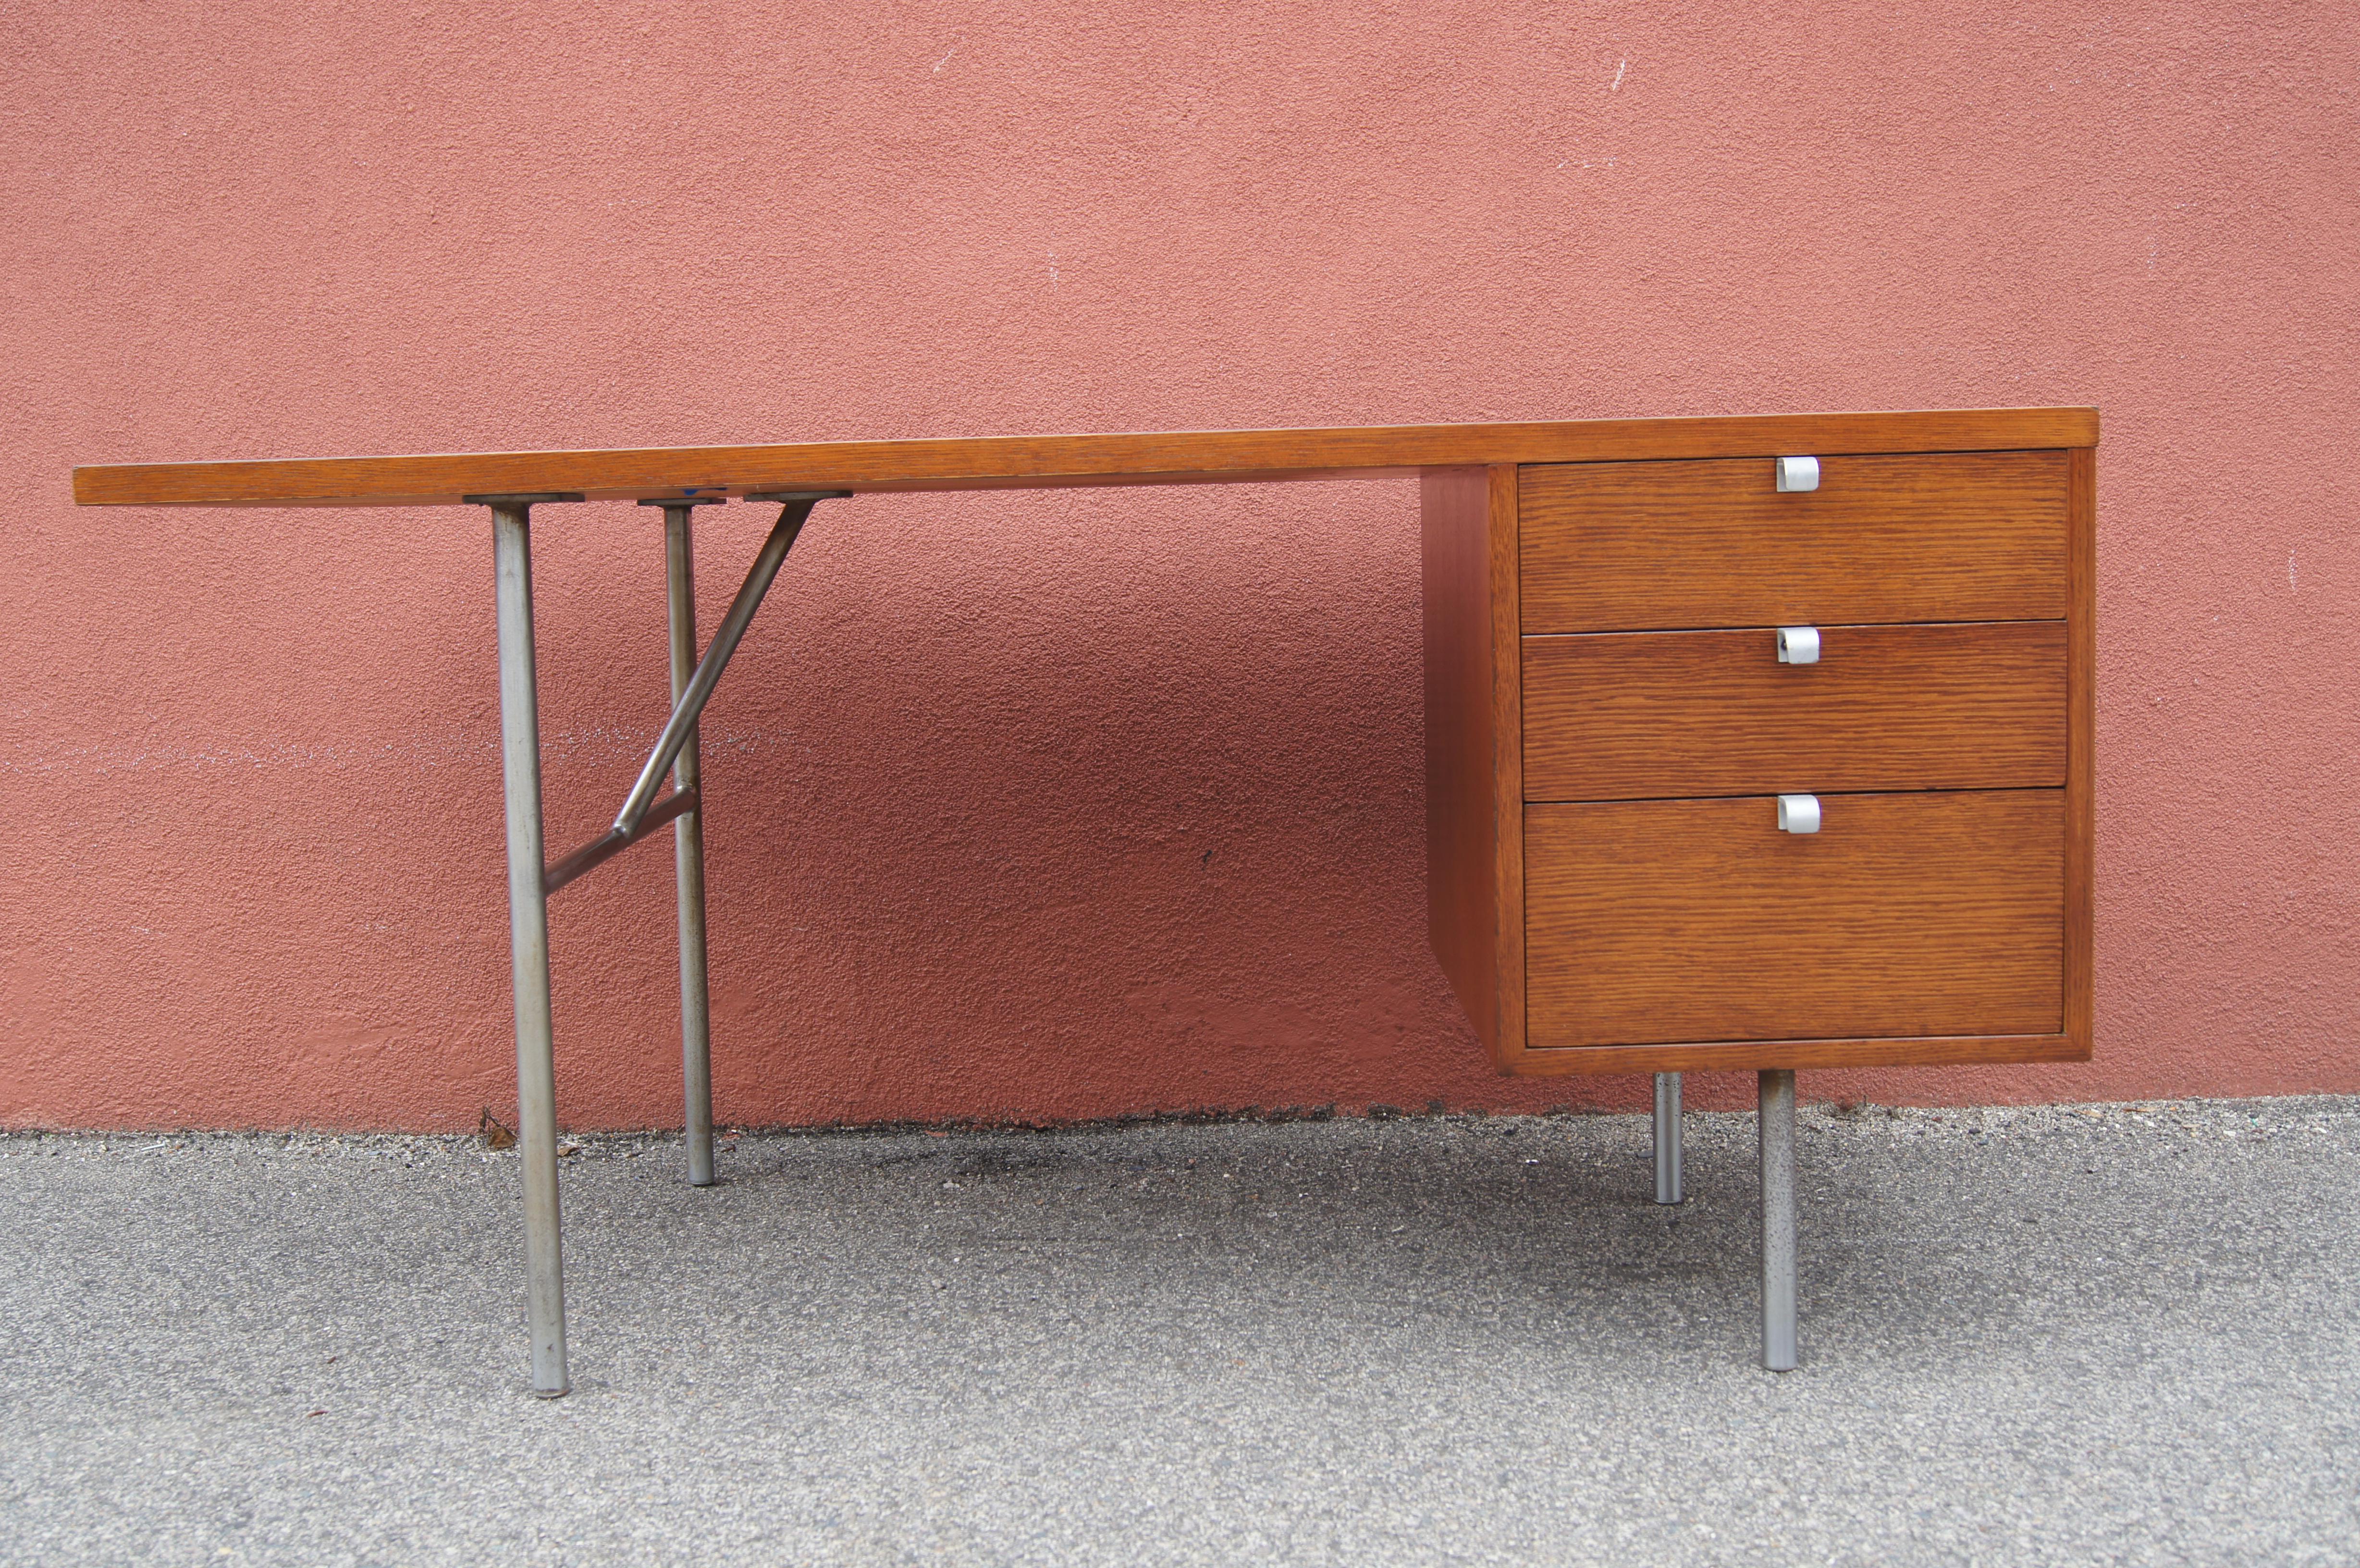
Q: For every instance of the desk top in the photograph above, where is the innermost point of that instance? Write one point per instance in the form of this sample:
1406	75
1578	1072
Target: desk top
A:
1026	463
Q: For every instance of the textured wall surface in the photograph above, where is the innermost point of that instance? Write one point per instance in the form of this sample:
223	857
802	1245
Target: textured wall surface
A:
1049	806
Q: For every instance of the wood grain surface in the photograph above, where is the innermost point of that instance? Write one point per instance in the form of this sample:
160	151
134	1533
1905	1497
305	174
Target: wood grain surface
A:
1508	764
1907	916
1752	1055
1630	715
2081	766
1674	545
1048	462
1461	736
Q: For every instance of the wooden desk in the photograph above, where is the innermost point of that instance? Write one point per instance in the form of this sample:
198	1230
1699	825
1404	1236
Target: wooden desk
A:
1757	743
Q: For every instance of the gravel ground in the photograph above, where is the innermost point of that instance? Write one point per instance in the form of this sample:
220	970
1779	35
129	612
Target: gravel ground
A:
2059	1335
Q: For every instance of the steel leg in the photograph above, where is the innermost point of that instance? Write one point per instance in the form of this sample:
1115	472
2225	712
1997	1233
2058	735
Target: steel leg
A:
1668	1138
1777	1127
528	945
688	851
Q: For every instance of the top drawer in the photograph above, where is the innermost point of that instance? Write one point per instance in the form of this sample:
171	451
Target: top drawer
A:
1976	536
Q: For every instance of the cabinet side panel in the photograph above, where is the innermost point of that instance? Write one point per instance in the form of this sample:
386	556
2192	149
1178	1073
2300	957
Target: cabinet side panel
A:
2080	762
1508	760
1461	789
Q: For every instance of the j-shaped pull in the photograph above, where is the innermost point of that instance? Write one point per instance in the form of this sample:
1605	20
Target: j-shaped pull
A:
1798	645
1799	813
1798	474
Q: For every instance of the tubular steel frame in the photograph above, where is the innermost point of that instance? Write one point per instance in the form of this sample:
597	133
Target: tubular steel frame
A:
1668	1138
1776	1098
531	881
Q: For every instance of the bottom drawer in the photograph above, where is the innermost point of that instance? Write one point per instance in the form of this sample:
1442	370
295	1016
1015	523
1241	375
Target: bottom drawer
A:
1662	921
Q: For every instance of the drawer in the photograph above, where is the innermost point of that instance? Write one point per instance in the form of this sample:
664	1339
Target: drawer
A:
1915	537
1628	715
1905	915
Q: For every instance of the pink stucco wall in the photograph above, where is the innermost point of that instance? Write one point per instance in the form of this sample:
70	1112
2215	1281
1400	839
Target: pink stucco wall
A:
1077	804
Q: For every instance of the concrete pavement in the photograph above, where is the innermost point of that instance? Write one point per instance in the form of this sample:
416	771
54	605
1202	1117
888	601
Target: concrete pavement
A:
2105	1335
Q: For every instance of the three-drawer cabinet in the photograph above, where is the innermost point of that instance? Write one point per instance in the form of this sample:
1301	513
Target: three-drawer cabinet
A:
1765	761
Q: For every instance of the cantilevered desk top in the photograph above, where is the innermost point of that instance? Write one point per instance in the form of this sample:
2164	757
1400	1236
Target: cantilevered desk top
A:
1031	462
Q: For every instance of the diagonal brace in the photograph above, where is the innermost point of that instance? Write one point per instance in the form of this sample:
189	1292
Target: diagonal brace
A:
640	815
608	844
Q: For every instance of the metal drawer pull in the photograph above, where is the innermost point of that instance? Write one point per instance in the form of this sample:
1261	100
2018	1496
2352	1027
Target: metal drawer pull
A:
1799	813
1798	645
1798	474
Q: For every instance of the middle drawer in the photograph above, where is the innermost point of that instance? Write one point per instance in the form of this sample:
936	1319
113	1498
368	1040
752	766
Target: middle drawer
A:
1648	715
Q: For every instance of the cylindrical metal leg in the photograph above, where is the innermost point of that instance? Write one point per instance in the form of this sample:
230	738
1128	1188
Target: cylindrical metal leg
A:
1777	1120
528	949
688	855
1668	1138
